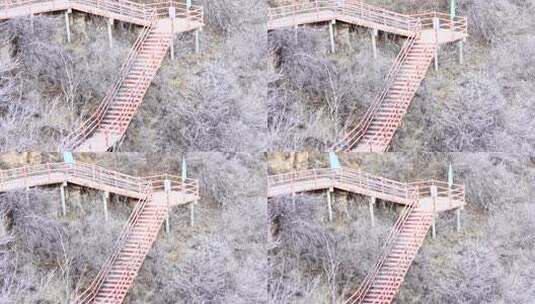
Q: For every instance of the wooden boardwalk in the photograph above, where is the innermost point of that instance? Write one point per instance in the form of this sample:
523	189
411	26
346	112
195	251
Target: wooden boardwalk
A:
425	33
422	201
105	128
155	194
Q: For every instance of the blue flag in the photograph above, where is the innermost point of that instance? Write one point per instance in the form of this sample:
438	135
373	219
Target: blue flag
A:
184	169
333	160
68	158
452	9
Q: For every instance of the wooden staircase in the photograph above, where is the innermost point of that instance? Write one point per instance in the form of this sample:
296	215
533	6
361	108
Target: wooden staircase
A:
106	127
408	233
425	32
132	89
117	275
375	131
382	283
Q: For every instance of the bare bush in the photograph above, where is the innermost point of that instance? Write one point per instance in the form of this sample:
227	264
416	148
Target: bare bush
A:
228	15
311	79
203	277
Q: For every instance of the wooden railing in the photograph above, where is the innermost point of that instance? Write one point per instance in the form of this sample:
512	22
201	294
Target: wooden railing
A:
191	13
178	184
89	294
347	176
405	96
140	11
88	127
352	8
454	193
355	135
365	180
445	21
97	174
84	171
144	187
388	245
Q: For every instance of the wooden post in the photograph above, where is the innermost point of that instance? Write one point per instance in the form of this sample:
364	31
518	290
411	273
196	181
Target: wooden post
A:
67	25
436	27
110	24
374	42
197	41
27	194
461	55
192	213
62	191
167	189
329	204
31	22
293	200
296	27
434	197
372	204
331	34
172	15
105	196
458	212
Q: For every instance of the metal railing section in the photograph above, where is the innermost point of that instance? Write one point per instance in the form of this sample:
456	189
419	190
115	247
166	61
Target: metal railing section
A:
135	10
351	8
358	132
82	133
403	191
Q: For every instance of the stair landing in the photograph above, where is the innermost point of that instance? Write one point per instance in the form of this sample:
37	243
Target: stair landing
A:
99	141
444	36
442	204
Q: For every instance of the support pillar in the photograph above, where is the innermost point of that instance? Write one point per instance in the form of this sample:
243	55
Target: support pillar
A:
63	206
461	55
31	22
67	24
172	15
329	204
110	38
374	33
197	41
458	212
167	189
436	27
296	28
192	213
27	195
105	197
372	216
434	197
293	200
331	34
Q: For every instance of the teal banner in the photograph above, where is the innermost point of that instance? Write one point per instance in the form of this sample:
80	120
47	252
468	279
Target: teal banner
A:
68	157
333	160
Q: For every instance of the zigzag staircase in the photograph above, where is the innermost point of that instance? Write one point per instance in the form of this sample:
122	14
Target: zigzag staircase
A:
425	32
375	131
384	280
117	275
105	128
408	233
107	125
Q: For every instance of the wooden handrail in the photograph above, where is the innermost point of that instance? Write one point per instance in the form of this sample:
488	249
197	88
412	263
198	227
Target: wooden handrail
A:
144	186
100	175
400	190
355	135
79	135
